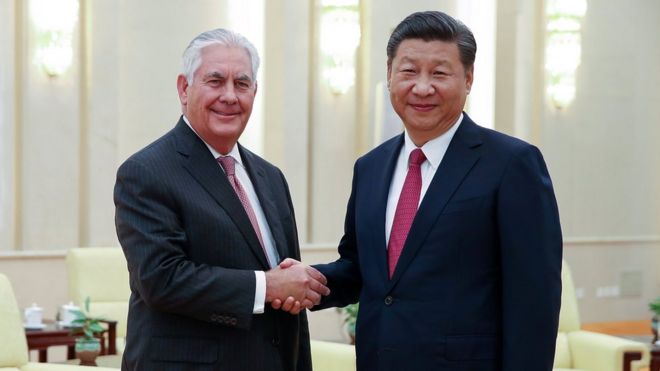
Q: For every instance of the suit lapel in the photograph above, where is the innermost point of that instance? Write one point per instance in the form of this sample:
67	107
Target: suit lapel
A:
266	199
203	167
456	164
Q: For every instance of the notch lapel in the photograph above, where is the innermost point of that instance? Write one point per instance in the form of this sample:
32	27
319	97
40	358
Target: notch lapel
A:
459	159
267	201
203	167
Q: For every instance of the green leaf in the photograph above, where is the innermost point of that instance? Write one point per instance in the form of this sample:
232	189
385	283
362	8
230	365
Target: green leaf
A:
95	327
88	333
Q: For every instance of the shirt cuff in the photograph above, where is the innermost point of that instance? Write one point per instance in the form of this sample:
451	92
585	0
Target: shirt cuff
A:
259	292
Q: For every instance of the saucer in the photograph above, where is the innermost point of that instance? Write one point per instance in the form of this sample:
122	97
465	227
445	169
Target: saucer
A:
38	326
66	325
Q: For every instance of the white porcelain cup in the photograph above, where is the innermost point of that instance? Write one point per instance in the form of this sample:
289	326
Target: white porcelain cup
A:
68	313
33	315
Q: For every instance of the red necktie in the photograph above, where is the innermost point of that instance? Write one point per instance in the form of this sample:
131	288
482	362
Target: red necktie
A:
227	163
406	208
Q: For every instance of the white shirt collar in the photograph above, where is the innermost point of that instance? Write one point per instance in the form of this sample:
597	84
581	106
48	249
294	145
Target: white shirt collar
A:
434	149
233	153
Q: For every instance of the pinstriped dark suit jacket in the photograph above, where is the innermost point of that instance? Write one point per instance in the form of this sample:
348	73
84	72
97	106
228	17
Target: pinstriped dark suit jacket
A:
191	253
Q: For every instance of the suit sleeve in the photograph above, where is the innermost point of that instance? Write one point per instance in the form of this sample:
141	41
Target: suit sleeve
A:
531	253
152	236
344	278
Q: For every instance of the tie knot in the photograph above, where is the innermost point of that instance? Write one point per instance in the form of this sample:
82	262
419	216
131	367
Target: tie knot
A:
227	163
416	157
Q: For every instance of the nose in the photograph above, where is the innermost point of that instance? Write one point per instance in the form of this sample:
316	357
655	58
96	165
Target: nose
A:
228	95
423	86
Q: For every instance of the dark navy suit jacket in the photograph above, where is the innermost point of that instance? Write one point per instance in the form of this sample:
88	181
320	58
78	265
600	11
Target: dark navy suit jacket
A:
478	284
191	253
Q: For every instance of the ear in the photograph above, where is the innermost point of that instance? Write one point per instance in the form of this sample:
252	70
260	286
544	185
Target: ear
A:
255	88
389	75
469	76
182	88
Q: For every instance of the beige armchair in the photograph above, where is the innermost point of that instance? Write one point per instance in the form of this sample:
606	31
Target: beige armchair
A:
327	356
13	344
101	274
589	351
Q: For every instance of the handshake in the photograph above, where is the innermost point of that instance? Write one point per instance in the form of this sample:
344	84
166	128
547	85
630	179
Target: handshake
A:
293	286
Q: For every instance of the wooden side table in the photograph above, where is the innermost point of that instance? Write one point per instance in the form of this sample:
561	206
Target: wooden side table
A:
655	358
54	335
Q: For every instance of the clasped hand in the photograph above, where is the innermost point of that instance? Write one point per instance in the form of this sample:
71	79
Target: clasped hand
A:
293	286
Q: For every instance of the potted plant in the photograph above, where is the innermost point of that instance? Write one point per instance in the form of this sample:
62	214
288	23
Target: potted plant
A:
88	346
349	314
654	306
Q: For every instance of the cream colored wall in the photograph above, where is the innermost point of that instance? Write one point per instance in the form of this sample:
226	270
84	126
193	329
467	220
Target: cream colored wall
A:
7	123
48	149
604	156
286	100
37	277
601	151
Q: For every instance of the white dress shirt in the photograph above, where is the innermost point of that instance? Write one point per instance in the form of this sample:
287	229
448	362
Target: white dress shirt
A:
434	150
266	234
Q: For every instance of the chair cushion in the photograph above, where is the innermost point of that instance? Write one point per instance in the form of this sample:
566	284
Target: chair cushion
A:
101	274
562	352
98	272
328	356
569	317
13	351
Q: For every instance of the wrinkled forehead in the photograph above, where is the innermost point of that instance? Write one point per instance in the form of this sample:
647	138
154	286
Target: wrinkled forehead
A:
225	60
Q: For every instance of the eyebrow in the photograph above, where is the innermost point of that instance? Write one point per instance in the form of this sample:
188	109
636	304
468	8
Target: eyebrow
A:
219	75
244	77
214	75
413	60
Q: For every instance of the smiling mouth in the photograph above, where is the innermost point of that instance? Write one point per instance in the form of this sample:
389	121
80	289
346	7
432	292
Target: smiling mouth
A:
423	107
225	114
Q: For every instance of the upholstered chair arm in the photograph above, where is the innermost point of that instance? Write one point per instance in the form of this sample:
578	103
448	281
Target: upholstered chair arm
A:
328	356
599	352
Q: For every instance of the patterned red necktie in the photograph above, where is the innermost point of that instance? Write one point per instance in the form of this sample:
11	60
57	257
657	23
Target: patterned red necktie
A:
406	208
227	163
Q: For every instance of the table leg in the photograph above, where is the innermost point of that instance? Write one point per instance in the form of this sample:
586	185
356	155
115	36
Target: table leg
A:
70	352
655	359
43	355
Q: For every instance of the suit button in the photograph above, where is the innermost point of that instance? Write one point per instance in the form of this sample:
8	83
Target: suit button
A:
276	341
388	300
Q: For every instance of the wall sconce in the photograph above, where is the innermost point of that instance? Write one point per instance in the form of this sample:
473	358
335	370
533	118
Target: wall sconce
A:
340	38
53	22
563	50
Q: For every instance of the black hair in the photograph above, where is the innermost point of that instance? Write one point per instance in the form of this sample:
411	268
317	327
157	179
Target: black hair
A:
434	25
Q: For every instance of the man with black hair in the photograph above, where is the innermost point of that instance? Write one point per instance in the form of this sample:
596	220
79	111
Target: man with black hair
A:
452	242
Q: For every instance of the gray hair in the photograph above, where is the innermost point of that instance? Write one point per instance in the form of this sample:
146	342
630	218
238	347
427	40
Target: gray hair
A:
192	58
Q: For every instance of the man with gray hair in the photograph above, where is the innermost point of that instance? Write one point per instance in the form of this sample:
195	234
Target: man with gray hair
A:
203	223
